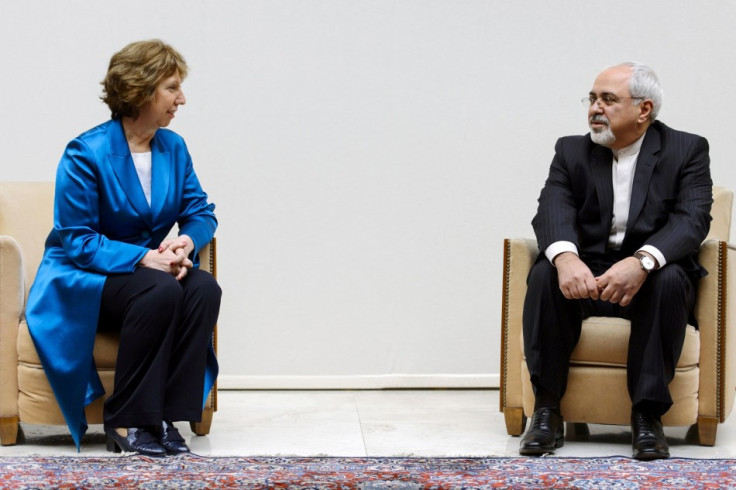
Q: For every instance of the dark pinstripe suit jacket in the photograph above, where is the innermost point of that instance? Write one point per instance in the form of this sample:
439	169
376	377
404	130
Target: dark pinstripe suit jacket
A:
670	201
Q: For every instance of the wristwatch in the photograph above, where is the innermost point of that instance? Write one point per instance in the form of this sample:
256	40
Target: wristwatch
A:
646	262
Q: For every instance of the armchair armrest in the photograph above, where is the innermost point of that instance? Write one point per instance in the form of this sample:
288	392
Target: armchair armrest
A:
12	299
208	257
713	306
208	262
519	256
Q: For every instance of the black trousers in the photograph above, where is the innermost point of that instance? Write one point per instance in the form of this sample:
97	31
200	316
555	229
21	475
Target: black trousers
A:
165	327
658	313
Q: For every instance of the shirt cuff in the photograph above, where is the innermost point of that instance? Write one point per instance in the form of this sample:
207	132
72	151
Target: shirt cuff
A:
654	251
558	247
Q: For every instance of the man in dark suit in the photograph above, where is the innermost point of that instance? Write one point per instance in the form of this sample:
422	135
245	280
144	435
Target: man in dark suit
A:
620	219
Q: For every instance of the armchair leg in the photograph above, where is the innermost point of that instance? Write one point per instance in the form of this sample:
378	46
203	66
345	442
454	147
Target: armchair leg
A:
203	428
707	428
515	420
9	430
577	431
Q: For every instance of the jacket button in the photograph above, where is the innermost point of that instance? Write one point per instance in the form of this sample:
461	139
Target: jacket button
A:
145	234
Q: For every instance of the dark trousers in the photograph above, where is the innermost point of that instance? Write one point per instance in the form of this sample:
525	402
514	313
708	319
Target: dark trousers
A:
658	313
165	327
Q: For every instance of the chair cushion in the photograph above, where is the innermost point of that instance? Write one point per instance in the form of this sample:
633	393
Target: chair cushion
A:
598	394
604	341
105	352
37	404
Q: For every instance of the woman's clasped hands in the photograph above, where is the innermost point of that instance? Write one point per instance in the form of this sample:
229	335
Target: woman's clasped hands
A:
172	256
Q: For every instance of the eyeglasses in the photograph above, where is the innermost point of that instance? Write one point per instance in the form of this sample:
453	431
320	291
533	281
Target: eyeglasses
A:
606	99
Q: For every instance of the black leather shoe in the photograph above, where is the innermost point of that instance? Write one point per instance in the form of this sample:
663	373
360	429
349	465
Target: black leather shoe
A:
170	439
545	434
648	439
138	441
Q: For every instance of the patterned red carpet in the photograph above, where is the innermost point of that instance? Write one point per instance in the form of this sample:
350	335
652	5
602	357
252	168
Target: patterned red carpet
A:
187	472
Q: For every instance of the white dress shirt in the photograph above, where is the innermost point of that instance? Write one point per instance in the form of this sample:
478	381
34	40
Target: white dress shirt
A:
142	163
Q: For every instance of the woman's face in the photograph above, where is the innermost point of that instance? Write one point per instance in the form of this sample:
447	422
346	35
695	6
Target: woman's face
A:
166	100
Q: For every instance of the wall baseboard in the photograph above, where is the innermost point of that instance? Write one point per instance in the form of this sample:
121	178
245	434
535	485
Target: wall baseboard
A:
359	382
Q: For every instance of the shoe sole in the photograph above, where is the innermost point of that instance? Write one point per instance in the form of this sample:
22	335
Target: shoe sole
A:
114	446
538	451
650	455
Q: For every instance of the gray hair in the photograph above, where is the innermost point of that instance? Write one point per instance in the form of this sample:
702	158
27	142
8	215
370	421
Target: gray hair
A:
645	84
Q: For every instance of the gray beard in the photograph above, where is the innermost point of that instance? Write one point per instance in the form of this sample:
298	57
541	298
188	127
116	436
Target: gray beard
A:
603	138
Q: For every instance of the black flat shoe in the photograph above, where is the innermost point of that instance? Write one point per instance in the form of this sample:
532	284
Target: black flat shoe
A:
170	439
138	441
545	434
648	441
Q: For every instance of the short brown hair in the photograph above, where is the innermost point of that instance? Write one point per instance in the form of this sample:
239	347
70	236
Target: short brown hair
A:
134	73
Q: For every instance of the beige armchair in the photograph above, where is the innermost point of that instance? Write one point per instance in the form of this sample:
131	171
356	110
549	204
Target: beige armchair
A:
26	217
703	387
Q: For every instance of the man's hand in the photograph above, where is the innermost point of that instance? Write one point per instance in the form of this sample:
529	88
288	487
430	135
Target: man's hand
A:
574	277
622	281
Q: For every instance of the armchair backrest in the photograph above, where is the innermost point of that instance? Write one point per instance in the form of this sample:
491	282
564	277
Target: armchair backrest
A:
27	215
720	227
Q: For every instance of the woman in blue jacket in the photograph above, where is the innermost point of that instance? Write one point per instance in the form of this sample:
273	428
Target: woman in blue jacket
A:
120	189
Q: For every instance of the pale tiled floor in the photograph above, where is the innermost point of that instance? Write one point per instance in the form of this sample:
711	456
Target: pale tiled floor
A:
368	423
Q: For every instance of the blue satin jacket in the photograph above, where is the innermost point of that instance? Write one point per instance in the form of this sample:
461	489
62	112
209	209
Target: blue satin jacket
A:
104	225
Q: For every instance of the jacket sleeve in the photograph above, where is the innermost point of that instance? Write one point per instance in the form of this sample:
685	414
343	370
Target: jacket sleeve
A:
196	216
77	219
556	213
688	223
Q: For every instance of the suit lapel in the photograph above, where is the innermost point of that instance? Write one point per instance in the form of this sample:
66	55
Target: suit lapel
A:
160	173
122	164
644	168
601	161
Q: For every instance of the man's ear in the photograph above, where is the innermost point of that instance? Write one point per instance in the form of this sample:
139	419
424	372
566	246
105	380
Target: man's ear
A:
645	110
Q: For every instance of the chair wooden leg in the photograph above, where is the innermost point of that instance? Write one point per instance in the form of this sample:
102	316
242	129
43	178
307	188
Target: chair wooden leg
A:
707	428
203	428
515	420
9	430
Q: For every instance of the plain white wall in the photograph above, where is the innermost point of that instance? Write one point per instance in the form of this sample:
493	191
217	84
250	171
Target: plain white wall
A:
367	158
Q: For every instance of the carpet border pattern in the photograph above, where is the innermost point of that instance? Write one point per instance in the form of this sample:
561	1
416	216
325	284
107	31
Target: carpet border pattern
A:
195	472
